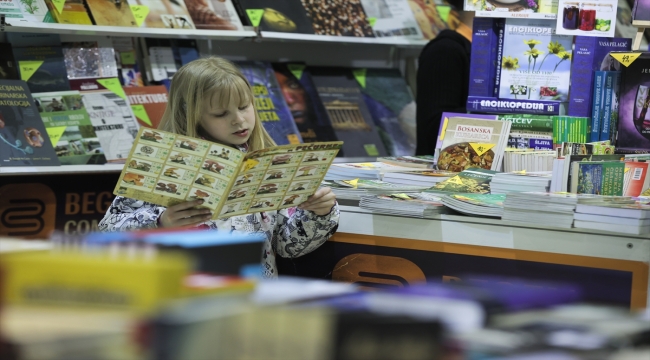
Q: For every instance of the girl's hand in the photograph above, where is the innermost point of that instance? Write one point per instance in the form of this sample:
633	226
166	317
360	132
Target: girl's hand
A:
184	214
321	202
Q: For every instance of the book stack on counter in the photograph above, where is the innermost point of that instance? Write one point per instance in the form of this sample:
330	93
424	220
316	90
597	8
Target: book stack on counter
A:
488	205
552	209
355	189
367	171
503	183
624	218
427	178
420	205
535	160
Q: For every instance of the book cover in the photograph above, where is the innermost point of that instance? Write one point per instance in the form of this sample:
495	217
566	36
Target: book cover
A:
392	18
473	180
86	62
536	61
469	143
393	112
23	138
636	178
633	117
68	125
8	66
591	54
301	96
148	104
214	14
340	94
269	102
444	121
528	122
111	12
113	120
73	12
167	169
596	19
42	67
600	178
338	18
428	17
483	56
570	160
287	16
171	14
641	12
35	11
624	27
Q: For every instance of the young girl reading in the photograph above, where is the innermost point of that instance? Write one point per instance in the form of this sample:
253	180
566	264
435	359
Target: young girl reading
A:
210	99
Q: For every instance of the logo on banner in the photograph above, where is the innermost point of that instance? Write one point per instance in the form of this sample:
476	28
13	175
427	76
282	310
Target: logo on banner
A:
377	271
27	210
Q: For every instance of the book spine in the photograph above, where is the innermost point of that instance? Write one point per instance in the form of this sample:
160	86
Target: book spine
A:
613	127
512	106
499	28
580	98
607	107
481	73
599	78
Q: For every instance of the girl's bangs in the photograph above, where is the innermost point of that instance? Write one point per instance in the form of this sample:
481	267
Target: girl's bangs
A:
232	91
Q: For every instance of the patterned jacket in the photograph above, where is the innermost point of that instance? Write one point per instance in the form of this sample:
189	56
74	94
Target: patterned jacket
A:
289	232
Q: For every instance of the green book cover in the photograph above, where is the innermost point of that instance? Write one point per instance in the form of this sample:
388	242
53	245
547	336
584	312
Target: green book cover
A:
528	122
601	178
473	180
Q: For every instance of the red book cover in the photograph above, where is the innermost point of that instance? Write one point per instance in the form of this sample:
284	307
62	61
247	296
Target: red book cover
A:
148	103
636	178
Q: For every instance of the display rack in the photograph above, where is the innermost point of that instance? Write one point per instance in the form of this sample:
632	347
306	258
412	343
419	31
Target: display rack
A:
641	26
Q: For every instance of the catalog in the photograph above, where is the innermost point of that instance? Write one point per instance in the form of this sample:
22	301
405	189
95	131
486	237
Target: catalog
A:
167	169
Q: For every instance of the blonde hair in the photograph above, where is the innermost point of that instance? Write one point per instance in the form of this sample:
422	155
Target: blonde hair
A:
191	86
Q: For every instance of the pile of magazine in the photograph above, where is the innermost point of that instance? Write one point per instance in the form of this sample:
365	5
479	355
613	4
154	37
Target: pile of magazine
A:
521	181
426	178
412	205
475	204
368	171
355	189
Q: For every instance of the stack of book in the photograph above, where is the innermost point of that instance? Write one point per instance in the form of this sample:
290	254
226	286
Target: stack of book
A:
475	204
539	208
368	171
536	160
355	189
624	218
503	183
411	205
426	178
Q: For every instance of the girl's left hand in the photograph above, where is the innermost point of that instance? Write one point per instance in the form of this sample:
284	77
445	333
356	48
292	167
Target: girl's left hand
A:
321	203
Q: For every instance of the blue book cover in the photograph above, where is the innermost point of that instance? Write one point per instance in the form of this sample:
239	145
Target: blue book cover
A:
607	106
616	85
393	112
591	54
500	30
269	102
596	116
42	67
483	57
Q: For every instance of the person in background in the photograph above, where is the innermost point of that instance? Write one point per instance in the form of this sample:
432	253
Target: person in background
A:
442	83
211	99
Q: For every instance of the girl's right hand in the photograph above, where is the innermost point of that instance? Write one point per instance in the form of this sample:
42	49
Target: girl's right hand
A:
185	214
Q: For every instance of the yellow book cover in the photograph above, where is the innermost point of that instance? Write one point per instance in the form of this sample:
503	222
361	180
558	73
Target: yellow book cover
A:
167	169
111	12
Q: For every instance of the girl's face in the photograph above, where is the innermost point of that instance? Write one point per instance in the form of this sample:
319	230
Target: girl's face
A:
228	125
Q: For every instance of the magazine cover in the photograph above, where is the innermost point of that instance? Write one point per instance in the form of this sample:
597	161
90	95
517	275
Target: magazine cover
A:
473	180
469	143
634	99
8	67
306	108
72	12
68	125
641	12
340	18
636	178
113	119
167	169
111	12
392	111
23	138
26	11
42	67
588	18
269	102
87	60
599	178
288	16
428	17
148	104
171	14
340	94
214	14
392	18
536	63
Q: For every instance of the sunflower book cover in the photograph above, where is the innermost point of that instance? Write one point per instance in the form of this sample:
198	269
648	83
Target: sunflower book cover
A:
167	169
23	137
536	62
68	125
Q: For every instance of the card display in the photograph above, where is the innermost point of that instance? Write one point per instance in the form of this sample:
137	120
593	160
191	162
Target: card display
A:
167	169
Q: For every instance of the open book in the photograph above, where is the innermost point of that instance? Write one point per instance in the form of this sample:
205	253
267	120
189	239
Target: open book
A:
167	169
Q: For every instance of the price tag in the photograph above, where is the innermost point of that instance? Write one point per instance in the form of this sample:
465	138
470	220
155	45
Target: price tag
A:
140	113
371	149
140	13
113	85
372	21
55	133
360	75
58	5
296	70
127	57
456	180
293	139
255	16
626	59
354	182
28	68
481	148
401	196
